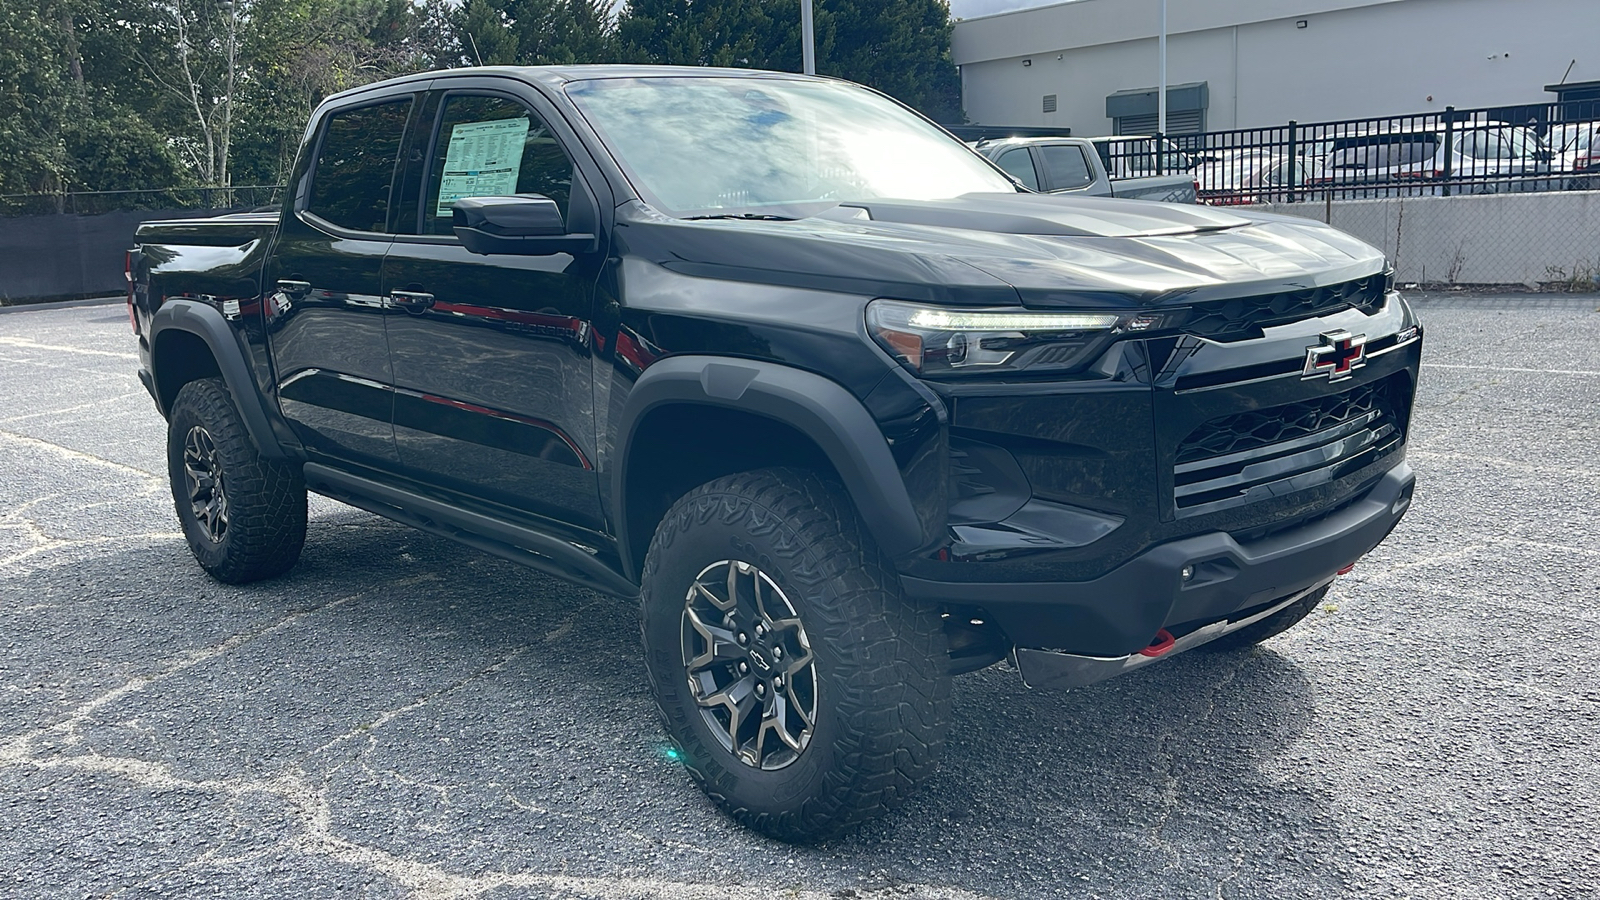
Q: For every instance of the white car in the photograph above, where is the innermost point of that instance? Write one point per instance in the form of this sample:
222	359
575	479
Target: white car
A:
1576	146
1387	161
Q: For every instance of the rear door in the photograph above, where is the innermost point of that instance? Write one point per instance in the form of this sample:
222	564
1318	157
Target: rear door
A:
1065	167
492	354
324	298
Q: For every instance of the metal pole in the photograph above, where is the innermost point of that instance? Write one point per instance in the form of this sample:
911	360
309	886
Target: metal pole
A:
1161	91
808	50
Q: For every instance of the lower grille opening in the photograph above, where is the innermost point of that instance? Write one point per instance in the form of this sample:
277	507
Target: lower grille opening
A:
1269	452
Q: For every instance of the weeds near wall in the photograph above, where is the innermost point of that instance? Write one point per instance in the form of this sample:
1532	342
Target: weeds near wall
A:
1582	278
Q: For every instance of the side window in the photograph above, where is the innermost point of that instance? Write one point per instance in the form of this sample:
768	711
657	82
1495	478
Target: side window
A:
1066	166
1485	145
1020	164
492	147
355	167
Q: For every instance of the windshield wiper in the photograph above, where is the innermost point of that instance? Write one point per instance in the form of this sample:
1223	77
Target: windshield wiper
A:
759	217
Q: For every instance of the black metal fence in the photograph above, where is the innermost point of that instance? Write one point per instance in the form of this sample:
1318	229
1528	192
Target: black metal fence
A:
93	203
1546	147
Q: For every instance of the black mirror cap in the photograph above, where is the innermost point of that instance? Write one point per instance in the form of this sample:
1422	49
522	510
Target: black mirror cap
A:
525	225
527	215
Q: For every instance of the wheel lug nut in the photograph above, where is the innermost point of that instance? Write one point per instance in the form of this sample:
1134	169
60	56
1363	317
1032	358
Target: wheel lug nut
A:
744	668
760	688
777	653
777	682
760	629
743	638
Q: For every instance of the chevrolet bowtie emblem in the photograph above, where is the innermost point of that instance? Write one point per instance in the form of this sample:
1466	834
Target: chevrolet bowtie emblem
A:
1338	355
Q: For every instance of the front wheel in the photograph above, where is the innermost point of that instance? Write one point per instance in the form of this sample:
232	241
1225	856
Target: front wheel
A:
805	692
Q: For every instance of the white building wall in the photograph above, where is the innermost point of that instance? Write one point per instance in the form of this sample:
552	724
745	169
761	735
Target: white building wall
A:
1354	58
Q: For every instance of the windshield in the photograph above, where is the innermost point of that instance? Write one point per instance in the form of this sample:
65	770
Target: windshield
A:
768	146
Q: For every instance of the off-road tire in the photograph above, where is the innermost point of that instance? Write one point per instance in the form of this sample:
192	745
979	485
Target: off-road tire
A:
265	499
1272	626
881	664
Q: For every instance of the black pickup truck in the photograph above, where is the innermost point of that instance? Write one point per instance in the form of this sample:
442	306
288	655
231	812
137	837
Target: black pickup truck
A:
844	409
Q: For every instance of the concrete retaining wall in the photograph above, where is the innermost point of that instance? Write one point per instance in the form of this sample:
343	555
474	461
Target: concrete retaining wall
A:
1529	239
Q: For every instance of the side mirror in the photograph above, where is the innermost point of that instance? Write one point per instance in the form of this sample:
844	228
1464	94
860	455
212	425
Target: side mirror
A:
524	225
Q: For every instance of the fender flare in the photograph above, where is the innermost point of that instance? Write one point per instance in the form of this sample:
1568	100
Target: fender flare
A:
821	409
203	321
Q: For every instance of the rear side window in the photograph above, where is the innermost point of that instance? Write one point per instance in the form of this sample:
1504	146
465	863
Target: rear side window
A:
1020	164
1485	145
355	167
1066	166
1403	150
492	147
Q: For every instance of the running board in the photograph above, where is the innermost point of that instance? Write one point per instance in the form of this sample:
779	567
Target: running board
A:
507	541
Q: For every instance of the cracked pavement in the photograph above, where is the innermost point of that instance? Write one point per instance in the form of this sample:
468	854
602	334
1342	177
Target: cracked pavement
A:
402	717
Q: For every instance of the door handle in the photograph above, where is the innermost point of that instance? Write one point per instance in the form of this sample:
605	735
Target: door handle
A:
411	301
294	288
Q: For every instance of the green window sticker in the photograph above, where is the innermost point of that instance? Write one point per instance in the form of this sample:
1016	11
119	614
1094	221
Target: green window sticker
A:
483	160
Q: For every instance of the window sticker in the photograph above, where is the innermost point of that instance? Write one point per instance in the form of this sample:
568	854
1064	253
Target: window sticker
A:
483	160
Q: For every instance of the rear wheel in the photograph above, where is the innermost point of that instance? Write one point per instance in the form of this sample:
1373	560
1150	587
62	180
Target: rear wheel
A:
805	692
243	516
1272	626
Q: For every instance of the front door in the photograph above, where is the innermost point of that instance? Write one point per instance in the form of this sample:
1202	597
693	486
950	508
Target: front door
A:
324	298
491	355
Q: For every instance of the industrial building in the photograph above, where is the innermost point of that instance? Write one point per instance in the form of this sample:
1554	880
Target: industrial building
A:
1092	65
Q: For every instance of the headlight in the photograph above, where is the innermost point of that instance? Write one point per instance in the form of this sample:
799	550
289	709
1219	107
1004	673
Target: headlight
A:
934	340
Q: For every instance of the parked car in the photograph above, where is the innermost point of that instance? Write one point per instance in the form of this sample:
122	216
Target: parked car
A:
1134	156
1470	158
1074	165
1239	178
1576	146
787	368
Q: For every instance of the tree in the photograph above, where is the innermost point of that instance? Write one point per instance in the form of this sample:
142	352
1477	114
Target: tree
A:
33	99
487	34
901	47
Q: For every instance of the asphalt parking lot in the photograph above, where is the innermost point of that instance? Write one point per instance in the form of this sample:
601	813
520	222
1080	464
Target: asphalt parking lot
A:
401	717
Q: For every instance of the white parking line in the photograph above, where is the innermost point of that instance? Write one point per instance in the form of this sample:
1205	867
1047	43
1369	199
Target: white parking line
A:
35	345
1509	369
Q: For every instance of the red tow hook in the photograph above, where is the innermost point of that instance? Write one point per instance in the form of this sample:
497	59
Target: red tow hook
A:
1163	642
1346	569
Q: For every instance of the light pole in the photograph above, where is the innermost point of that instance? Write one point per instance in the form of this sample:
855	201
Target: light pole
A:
808	50
1161	90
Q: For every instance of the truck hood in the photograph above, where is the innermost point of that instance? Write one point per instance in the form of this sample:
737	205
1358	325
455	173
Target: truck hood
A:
1006	249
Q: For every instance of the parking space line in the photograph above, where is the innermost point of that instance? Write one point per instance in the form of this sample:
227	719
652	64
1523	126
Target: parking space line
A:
1430	365
61	348
1561	472
70	453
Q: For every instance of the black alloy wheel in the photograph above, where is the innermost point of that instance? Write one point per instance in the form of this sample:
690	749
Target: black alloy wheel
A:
208	495
750	664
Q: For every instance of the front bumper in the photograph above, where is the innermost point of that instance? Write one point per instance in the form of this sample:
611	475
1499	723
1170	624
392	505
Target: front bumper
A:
1049	670
1121	612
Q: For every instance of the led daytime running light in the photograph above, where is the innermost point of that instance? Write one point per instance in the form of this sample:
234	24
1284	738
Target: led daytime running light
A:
946	320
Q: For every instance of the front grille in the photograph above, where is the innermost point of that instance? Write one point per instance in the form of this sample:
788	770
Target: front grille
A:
1242	318
1268	452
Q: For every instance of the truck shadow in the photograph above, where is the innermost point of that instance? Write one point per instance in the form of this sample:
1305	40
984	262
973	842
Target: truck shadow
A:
457	706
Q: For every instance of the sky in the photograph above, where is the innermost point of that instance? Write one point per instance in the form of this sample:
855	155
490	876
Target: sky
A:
967	9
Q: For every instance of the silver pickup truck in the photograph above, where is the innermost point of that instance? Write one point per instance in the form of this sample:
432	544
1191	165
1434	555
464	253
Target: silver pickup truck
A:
1080	166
